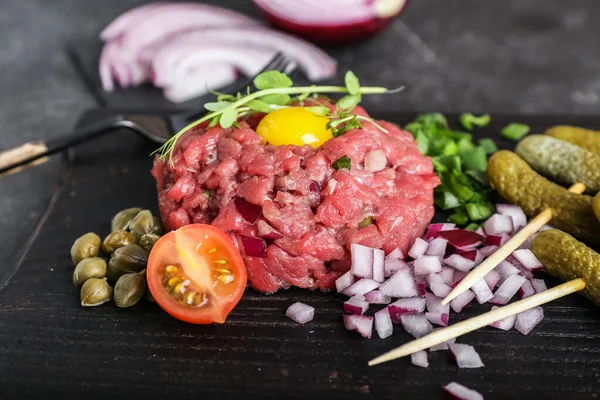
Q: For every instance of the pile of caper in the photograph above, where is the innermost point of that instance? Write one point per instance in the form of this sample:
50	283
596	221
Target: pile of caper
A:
134	232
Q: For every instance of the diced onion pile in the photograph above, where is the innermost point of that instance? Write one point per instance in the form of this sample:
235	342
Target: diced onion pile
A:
188	48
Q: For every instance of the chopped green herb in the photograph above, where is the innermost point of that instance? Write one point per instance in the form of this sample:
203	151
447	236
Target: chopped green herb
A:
472	226
348	102
422	142
459	217
228	117
207	193
515	131
365	222
272	80
469	121
352	83
445	200
479	211
342	162
488	145
219	105
476	159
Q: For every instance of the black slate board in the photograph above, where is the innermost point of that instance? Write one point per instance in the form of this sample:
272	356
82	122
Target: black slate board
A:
50	347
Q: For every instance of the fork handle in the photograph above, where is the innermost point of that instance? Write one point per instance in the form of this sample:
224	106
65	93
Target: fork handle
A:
33	153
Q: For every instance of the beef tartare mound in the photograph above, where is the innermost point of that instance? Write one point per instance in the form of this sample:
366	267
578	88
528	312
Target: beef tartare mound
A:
291	213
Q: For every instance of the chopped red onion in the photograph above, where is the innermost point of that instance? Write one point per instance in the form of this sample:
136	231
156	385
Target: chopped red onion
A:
250	212
527	320
383	323
392	265
362	261
418	248
378	265
526	290
300	312
359	323
434	304
498	224
266	231
422	289
480	231
254	247
448	275
539	285
492	278
376	297
419	359
406	306
437	318
375	161
434	229
395	254
438	286
462	300
505	324
465	356
462	239
506	269
495	240
519	218
416	324
459	262
344	281
527	259
361	287
456	391
356	305
508	289
488	250
458	276
482	291
437	247
522	270
426	265
443	345
314	187
401	284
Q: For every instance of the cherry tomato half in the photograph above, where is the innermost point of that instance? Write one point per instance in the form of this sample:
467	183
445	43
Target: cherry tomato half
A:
196	274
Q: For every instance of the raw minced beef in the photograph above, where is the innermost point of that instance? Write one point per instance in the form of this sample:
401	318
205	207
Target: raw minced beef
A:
311	211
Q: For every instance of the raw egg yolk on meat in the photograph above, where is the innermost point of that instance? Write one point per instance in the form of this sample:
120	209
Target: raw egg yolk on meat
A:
294	125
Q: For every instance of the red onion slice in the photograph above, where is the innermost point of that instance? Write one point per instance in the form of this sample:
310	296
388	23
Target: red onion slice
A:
527	259
459	262
539	285
437	247
426	265
416	324
462	300
498	224
505	324
383	323
197	81
482	291
254	247
516	213
395	254
359	323
378	265
508	289
418	248
376	297
492	278
494	240
526	290
344	281
362	260
361	287
462	239
356	305
437	318
250	212
465	356
406	306
456	391
300	312
266	231
401	284
527	320
392	265
434	229
419	359
458	276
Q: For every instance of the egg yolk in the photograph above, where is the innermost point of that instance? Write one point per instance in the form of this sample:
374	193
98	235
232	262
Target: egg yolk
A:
294	125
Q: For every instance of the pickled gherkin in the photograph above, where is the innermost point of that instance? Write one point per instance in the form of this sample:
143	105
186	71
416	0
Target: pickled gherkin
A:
566	258
516	182
584	138
596	205
561	161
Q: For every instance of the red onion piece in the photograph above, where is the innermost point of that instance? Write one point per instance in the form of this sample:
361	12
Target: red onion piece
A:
359	323
458	276
522	270
361	287
505	324
378	265
526	290
527	320
392	265
362	260
406	306
401	284
266	231
440	289
482	291
434	304
418	248
426	265
376	297
448	275
300	312
527	259
375	161
492	278
419	359
314	187
383	323
437	247
344	281
494	240
506	269
196	82
508	289
356	305
498	224
395	254
462	300
416	324
434	229
421	289
516	213
254	247
456	391
469	255
462	239
488	250
465	356
437	318
250	212
539	285
459	262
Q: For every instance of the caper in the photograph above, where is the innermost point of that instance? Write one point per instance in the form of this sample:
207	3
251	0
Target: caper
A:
129	289
122	218
94	292
116	239
87	246
89	268
126	259
148	241
144	223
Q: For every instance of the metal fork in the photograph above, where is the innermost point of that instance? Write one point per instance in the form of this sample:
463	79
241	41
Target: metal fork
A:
156	128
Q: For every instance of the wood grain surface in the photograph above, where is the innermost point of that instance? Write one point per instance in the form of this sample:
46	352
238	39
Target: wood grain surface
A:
50	347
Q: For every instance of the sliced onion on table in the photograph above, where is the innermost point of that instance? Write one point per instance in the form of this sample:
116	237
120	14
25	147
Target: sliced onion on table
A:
344	281
508	289
300	312
356	305
465	356
459	392
416	324
383	323
359	323
199	80
527	320
419	359
406	306
361	287
462	300
505	324
401	284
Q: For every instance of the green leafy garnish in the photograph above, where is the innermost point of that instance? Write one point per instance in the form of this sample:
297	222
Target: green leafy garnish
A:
515	131
488	145
342	163
207	193
272	80
469	121
475	159
365	222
